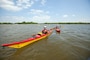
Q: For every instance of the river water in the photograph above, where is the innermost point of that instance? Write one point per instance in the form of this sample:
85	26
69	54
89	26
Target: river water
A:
73	43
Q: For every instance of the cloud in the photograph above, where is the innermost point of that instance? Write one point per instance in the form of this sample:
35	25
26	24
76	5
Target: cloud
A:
38	12
25	3
40	15
9	5
18	5
12	18
41	19
43	2
65	16
33	11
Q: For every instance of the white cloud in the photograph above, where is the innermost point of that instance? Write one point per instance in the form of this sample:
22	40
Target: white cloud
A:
41	19
65	16
33	11
14	19
25	3
40	15
43	2
38	12
15	5
9	5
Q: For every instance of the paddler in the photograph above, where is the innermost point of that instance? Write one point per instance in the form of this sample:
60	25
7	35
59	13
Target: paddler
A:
37	35
45	31
57	29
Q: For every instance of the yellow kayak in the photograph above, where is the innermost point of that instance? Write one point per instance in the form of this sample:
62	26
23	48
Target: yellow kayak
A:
27	41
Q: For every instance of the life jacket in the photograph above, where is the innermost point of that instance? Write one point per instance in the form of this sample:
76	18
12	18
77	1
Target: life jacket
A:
37	36
44	31
57	29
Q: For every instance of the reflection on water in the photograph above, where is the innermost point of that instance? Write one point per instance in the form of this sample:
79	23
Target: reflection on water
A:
73	43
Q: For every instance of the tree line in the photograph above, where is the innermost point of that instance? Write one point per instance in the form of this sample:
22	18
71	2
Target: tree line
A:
46	23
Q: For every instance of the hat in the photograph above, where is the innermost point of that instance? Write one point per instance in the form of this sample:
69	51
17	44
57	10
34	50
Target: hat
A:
45	26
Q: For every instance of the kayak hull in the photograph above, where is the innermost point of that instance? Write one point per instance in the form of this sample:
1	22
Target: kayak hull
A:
26	42
58	30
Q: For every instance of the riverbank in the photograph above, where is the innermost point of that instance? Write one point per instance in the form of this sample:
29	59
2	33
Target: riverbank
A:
69	23
46	23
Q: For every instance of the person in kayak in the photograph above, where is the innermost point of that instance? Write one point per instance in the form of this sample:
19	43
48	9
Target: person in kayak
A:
57	29
37	35
45	31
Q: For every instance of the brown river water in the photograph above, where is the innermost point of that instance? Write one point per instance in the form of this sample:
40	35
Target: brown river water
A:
73	43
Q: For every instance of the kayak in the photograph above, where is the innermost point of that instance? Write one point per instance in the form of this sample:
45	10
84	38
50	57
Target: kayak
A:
26	42
58	30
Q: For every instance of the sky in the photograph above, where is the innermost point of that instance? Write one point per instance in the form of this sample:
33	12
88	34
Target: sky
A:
44	11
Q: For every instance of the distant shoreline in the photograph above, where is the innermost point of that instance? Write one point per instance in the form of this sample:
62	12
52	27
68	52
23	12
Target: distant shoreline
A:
69	23
46	23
